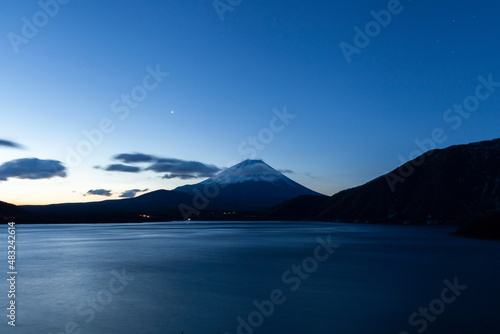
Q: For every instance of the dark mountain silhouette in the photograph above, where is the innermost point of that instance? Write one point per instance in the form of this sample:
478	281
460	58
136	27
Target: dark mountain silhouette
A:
452	185
249	185
304	207
456	185
485	226
9	212
156	205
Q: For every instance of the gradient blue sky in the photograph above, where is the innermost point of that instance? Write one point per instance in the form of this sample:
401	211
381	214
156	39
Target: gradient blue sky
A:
353	120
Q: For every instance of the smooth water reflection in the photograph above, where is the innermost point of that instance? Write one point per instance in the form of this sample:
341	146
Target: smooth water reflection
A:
199	278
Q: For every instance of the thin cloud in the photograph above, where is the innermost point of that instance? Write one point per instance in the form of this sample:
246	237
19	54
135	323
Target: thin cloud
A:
132	193
172	167
135	158
180	176
183	169
99	192
286	171
122	168
32	169
11	144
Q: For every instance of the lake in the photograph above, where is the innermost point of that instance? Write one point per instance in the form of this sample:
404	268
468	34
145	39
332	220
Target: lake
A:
251	277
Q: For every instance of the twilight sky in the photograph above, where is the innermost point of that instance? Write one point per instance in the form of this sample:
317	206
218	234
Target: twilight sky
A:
102	99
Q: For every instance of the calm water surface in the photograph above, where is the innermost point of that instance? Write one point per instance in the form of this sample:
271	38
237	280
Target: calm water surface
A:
200	278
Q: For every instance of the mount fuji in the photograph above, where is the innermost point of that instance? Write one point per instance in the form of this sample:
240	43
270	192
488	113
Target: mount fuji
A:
249	185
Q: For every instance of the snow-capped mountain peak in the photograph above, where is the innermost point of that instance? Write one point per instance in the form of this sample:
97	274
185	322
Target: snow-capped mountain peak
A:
248	170
249	185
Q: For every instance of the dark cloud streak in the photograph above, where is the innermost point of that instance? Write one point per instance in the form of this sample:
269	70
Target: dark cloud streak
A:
11	144
135	157
132	193
180	176
184	168
99	192
174	168
32	169
122	168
